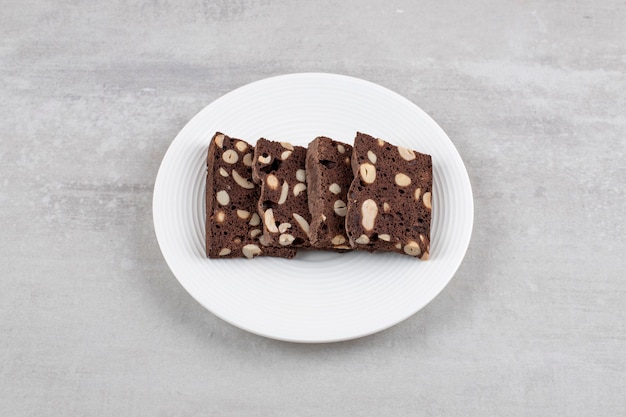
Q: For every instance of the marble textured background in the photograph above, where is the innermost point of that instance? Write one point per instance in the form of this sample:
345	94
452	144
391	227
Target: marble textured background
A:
93	323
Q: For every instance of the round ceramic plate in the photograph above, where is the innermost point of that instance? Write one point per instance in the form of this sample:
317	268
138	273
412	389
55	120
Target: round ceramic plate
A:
317	296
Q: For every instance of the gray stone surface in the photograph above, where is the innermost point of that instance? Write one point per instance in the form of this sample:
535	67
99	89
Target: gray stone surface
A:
93	323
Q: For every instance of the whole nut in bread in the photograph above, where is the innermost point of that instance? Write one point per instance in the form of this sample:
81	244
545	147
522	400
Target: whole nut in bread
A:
369	211
251	250
402	180
363	240
287	145
286	239
255	220
283	227
340	208
222	197
371	156
242	182
426	201
272	181
412	248
304	225
219	140
298	188
270	223
230	156
338	240
241	146
417	193
283	193
368	173
406	154
243	214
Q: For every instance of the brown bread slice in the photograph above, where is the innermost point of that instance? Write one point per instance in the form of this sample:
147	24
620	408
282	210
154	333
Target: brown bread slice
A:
233	228
390	199
329	175
283	204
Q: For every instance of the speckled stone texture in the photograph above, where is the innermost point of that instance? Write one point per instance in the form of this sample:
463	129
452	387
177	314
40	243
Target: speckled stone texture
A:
93	322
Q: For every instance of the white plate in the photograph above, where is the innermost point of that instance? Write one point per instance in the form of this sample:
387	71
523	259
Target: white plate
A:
318	296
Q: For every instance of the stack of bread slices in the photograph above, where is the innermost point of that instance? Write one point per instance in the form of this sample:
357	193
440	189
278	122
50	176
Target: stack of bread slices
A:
275	198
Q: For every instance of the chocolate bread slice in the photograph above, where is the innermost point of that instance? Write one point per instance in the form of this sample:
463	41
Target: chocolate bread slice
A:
283	205
233	228
390	199
329	175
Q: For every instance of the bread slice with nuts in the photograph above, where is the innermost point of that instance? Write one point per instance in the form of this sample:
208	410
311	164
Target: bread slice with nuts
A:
283	204
390	199
233	228
329	175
